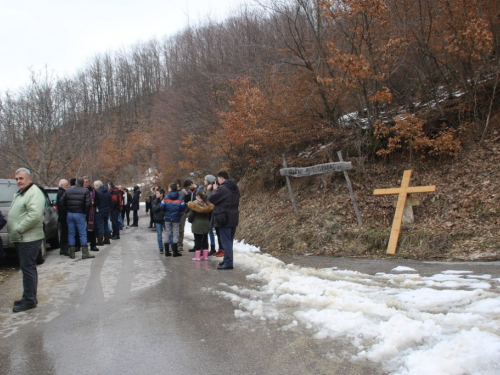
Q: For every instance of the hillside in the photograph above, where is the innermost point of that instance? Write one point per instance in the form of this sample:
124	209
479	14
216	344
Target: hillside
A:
460	221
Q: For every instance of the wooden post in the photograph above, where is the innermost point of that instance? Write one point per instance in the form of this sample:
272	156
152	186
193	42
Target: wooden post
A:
351	192
402	192
294	203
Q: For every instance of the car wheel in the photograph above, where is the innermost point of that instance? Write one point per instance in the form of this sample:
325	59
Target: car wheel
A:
43	252
55	241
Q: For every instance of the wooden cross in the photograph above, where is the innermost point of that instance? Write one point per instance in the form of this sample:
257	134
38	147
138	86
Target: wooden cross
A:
403	192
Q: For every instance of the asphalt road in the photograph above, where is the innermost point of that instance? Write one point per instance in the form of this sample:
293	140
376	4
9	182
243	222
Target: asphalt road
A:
133	311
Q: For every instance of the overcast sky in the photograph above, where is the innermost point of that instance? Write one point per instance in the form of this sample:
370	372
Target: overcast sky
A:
64	34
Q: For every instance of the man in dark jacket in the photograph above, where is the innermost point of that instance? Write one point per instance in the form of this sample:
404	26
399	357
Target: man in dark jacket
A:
102	214
62	218
226	198
91	225
115	207
135	206
77	203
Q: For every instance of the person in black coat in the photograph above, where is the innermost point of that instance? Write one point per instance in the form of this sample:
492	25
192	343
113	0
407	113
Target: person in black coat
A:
135	205
62	218
77	203
127	202
102	214
226	198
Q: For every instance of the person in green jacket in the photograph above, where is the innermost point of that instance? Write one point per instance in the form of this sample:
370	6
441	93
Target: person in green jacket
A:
200	211
25	228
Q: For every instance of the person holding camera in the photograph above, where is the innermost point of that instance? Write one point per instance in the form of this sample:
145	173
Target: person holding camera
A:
226	199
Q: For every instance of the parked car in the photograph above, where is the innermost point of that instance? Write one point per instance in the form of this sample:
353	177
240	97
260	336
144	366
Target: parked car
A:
51	228
52	193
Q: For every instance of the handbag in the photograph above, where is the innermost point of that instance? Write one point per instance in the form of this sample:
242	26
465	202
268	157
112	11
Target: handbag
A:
221	218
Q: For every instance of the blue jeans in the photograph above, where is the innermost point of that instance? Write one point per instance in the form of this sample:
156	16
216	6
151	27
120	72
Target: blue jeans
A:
27	253
77	221
159	230
227	237
102	223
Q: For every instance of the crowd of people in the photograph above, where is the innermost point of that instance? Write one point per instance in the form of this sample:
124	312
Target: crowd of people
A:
94	214
213	205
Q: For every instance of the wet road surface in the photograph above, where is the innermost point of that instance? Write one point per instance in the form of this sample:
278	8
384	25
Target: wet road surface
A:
133	311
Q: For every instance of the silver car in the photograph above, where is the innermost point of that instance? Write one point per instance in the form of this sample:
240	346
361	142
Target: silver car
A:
8	188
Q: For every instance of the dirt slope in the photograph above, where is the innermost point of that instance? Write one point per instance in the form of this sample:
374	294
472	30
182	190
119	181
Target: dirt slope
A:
460	221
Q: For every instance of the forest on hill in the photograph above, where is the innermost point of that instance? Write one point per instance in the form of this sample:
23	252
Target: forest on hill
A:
393	84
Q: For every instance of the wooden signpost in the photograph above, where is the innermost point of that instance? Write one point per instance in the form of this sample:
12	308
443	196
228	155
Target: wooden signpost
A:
318	169
402	193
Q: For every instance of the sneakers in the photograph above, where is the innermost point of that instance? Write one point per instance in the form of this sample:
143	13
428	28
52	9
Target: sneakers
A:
219	253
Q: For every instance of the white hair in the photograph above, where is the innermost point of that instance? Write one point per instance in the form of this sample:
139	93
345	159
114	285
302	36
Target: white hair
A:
26	171
63	182
98	183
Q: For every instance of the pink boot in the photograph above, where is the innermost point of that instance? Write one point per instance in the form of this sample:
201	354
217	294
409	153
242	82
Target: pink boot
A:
205	255
197	255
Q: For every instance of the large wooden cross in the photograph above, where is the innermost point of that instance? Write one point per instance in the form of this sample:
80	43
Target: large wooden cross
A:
403	192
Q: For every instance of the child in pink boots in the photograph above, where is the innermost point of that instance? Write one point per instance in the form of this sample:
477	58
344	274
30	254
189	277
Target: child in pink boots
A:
200	211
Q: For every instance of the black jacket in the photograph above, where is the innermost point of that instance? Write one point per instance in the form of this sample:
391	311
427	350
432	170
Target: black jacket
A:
104	200
135	200
61	211
158	214
226	198
76	200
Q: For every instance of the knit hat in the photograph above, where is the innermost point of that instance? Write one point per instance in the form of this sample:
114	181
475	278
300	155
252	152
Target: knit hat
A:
210	178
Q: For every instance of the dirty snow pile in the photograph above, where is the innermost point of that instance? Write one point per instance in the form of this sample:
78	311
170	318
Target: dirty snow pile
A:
444	324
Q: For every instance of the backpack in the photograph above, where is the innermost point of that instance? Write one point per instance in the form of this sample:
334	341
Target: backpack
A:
116	198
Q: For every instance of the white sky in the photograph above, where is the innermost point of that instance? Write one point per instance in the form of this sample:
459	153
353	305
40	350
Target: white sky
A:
63	34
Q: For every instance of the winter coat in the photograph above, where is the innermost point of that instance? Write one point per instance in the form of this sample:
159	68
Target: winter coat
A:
127	205
25	219
226	198
199	216
76	200
115	197
104	200
135	200
158	214
173	207
62	215
2	224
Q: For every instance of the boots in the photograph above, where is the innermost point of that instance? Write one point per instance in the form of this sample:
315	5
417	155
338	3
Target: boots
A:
205	255
99	241
106	240
167	251
212	250
85	253
64	249
72	252
197	255
175	251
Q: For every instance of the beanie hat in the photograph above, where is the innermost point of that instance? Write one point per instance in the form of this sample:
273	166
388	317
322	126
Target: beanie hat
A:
210	178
